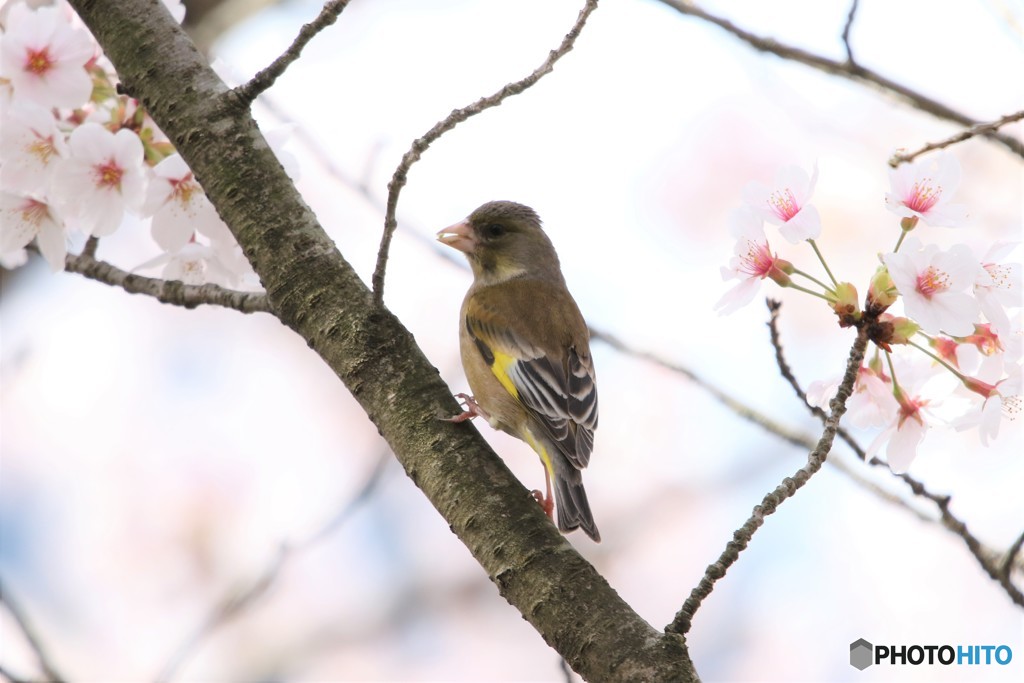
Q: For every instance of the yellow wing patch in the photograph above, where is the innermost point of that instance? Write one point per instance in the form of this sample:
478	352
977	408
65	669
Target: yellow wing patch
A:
502	362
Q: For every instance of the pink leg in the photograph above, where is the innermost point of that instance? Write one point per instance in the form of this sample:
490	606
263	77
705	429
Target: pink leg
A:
548	503
473	409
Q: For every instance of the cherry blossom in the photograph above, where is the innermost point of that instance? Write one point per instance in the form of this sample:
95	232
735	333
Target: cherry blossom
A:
102	178
31	146
924	400
179	206
870	405
753	261
25	219
1002	400
193	264
785	204
934	284
998	286
44	57
922	190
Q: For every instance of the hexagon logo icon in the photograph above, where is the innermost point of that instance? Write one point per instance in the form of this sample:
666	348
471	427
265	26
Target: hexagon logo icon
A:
861	654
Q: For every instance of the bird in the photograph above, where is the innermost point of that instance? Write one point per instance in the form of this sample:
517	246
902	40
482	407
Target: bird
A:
526	351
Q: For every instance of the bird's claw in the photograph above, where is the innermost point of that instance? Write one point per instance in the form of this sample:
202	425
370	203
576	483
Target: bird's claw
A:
547	504
472	410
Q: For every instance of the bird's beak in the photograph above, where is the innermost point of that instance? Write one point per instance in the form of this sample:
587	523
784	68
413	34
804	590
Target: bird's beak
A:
459	236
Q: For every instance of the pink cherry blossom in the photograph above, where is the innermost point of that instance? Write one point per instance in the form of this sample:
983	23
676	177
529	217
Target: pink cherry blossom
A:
871	404
25	219
179	206
934	286
753	261
922	190
31	146
786	203
102	178
1002	401
44	57
923	401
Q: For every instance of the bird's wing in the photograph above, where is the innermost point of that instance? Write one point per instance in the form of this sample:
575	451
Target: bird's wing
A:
556	386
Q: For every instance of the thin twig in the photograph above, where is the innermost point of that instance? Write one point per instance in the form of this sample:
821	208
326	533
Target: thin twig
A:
789	486
165	291
984	556
236	602
45	663
979	129
245	94
421	144
846	31
844	69
1011	557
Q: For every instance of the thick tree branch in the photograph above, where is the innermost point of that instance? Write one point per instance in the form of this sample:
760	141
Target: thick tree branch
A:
421	144
845	69
316	292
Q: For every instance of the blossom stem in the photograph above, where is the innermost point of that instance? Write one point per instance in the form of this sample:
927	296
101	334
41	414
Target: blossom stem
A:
814	245
813	279
807	291
939	360
899	242
897	392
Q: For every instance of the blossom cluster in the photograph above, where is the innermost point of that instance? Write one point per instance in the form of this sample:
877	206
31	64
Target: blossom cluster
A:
957	356
78	158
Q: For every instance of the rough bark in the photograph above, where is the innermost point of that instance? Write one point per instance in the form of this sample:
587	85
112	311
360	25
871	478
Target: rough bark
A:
315	292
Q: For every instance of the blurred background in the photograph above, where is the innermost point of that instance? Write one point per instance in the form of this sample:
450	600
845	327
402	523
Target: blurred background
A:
155	459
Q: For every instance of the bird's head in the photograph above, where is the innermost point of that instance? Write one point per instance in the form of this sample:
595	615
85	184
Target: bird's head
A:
503	240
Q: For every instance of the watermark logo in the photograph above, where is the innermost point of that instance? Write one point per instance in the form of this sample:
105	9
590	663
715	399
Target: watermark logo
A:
863	654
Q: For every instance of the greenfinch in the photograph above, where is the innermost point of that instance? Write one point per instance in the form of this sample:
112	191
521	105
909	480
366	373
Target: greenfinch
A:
526	351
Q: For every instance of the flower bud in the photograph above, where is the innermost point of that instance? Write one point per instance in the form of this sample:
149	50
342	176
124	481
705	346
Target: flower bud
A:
844	302
881	292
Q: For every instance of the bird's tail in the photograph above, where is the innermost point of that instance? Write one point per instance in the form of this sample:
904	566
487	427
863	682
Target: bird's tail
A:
571	501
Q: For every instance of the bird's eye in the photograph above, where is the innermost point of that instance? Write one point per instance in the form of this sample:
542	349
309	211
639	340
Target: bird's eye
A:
493	230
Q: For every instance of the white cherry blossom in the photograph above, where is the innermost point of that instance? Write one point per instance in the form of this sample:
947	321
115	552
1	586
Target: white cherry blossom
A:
922	190
934	285
786	203
44	57
102	178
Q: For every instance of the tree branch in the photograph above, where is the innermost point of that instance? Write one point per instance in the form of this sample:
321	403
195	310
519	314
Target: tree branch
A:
316	292
979	129
985	557
45	663
846	69
420	145
789	486
164	291
846	31
247	93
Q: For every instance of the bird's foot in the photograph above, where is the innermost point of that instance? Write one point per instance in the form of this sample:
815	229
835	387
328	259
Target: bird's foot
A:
472	410
547	504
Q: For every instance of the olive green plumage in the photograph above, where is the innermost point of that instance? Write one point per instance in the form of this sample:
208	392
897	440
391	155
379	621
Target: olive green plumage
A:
526	349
